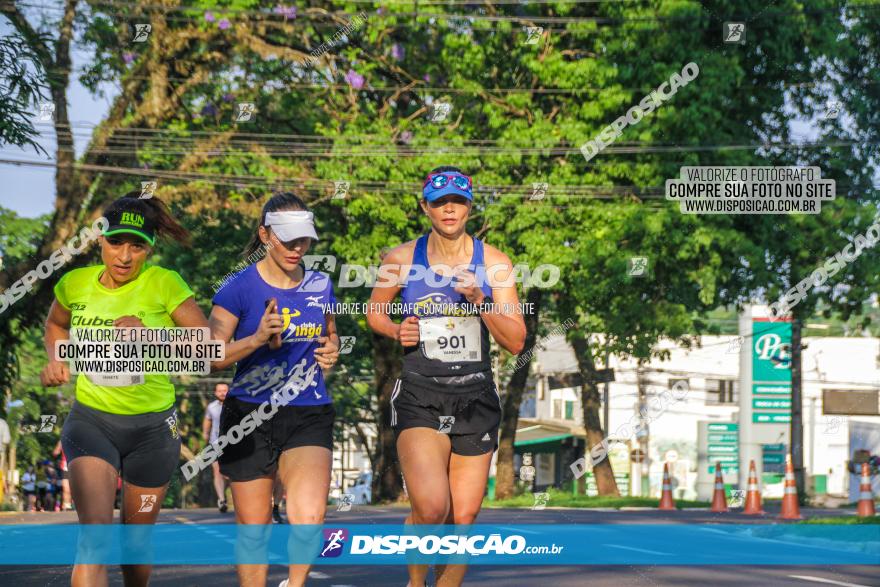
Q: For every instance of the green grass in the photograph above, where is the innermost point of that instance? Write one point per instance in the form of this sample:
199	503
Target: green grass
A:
843	520
8	506
567	499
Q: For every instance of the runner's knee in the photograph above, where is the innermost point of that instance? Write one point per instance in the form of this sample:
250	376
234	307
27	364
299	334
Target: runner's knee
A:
434	511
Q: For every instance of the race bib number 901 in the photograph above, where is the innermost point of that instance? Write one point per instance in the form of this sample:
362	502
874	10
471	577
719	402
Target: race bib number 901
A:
451	339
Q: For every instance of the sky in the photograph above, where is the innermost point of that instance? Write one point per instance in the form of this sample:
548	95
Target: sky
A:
30	191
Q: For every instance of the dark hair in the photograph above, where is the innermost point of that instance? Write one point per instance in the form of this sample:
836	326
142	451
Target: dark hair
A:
447	169
278	202
156	211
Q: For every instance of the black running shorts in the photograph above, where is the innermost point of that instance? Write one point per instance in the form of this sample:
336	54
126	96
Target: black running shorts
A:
470	418
144	447
256	455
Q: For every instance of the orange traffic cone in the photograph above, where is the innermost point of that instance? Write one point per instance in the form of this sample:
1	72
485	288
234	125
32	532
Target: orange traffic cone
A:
666	501
790	508
753	495
719	501
866	500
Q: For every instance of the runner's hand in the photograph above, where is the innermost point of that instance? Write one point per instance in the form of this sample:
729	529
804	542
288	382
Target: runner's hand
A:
128	322
466	284
408	334
327	354
270	324
55	373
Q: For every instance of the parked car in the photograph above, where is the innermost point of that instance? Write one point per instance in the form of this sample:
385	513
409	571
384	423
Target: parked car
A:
362	488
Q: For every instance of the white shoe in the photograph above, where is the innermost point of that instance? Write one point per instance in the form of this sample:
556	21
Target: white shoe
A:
283	583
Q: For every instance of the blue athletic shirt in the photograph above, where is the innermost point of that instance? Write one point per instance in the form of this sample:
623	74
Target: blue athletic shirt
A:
419	294
266	371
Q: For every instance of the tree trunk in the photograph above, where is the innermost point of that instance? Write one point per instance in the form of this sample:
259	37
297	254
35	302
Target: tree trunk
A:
362	436
590	402
511	402
797	413
387	480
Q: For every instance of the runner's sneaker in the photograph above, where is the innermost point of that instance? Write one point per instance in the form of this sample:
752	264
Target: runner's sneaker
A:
283	583
221	505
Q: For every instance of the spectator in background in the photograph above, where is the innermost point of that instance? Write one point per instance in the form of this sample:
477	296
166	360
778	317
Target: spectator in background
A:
63	483
5	439
211	431
42	486
48	497
29	487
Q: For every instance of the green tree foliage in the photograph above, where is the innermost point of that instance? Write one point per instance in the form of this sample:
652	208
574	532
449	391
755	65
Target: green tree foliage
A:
367	111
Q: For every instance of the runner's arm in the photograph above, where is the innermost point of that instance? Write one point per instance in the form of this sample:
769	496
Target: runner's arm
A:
223	324
57	328
328	353
507	327
385	290
206	426
189	315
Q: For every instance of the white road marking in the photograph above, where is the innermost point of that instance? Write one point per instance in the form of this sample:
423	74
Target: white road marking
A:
828	581
318	575
638	549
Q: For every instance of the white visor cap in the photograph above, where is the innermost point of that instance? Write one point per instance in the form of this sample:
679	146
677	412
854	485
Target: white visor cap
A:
292	224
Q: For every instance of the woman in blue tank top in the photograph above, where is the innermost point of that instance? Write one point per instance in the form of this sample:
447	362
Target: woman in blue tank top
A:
457	292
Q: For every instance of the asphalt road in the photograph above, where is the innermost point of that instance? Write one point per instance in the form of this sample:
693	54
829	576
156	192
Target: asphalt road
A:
507	576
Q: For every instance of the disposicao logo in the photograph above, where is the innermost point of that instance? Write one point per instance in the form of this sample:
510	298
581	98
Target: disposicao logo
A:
334	542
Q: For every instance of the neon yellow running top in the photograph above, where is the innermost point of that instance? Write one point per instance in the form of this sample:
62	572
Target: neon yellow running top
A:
152	296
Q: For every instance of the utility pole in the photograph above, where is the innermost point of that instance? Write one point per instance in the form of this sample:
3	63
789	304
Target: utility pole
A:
606	406
797	409
637	467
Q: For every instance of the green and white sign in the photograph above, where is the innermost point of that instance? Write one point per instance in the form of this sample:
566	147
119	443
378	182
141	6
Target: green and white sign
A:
773	457
732	468
771	352
767	403
771	389
722	446
723	437
771	371
722	427
770	418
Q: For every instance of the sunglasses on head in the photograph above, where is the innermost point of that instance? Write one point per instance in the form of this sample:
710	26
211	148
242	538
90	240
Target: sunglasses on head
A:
439	180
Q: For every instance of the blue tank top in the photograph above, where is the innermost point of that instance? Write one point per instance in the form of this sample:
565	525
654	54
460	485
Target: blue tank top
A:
454	339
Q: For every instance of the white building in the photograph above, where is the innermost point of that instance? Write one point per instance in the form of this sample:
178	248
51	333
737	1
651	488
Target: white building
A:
711	372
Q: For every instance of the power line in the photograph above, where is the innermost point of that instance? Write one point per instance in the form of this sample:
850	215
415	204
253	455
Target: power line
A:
407	152
380	188
129	146
136	132
418	89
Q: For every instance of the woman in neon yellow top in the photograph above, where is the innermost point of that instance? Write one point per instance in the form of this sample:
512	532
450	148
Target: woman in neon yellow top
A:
121	425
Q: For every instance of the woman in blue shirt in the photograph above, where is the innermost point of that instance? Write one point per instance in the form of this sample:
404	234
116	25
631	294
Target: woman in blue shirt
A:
283	342
445	409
